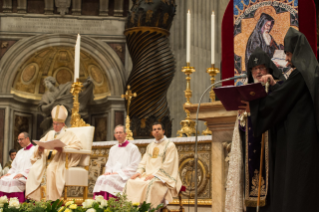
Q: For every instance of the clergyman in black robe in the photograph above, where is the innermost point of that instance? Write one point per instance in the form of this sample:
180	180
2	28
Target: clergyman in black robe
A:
245	149
260	37
291	112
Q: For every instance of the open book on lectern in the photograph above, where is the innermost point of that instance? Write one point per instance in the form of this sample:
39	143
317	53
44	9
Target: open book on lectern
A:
56	143
231	96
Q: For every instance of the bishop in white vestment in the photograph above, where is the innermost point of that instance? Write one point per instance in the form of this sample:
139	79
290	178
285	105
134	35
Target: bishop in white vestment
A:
122	163
13	183
157	179
48	170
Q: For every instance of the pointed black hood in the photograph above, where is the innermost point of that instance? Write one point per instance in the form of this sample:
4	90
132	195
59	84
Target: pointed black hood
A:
305	61
259	57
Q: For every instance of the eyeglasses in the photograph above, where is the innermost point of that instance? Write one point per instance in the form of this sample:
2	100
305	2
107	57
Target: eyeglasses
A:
56	124
20	139
261	68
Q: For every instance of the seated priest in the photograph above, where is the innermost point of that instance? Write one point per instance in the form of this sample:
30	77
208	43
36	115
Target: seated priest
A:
48	169
241	174
13	183
7	166
157	179
122	163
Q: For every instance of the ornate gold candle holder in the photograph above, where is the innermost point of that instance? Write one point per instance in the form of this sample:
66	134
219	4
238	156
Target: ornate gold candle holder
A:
212	71
76	120
188	125
128	96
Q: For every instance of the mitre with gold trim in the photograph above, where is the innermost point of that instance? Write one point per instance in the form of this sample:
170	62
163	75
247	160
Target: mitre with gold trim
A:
59	113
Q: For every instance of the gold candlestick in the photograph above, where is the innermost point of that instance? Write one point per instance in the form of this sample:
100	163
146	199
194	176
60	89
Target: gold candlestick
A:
128	96
188	125
212	71
76	120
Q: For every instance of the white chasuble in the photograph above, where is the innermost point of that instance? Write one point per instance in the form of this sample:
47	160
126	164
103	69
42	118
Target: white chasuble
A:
124	161
55	172
160	160
20	165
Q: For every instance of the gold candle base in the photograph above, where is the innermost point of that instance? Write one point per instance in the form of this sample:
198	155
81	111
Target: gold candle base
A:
207	131
76	120
212	71
188	125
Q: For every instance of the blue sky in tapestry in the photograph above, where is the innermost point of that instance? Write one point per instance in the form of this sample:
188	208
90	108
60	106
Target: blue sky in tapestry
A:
246	2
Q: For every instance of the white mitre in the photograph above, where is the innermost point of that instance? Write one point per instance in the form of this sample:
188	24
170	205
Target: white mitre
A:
59	113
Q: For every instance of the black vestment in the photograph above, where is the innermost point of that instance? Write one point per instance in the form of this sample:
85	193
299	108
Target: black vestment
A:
293	146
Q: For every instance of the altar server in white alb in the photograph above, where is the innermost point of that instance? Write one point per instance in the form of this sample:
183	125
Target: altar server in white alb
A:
122	163
157	179
13	183
48	169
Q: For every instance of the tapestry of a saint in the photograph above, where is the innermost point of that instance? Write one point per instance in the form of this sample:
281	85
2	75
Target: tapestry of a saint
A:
263	24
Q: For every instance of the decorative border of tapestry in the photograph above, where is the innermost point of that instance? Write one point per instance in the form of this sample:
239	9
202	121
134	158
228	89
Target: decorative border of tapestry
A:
259	23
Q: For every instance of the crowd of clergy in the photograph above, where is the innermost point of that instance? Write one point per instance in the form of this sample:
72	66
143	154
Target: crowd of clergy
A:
153	178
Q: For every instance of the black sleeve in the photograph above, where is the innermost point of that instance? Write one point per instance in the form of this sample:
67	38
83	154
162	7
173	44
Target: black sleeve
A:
273	108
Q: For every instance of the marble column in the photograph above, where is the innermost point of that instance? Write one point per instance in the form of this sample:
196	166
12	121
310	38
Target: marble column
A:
76	7
48	7
104	8
22	6
7	6
118	7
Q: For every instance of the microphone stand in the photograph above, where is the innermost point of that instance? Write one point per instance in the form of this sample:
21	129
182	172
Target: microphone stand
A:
196	134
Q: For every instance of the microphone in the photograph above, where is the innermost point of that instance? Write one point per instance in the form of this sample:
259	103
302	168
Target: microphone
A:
196	136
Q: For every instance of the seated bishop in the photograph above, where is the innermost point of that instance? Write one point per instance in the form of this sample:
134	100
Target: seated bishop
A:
157	179
13	183
122	163
47	174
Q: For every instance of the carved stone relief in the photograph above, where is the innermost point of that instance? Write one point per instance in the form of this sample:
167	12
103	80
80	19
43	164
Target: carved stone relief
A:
63	6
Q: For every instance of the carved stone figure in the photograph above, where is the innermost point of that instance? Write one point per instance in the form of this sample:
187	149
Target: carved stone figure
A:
60	95
62	6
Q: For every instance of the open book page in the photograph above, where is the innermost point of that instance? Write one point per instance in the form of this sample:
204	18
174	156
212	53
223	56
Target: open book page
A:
56	143
279	58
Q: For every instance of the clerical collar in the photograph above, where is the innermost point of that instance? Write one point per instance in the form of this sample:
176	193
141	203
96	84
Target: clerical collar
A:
160	141
124	144
28	147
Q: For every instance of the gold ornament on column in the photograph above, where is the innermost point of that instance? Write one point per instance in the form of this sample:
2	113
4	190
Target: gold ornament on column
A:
128	96
76	120
188	125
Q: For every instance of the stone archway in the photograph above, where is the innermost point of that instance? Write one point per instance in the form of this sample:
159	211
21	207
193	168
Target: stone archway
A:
24	48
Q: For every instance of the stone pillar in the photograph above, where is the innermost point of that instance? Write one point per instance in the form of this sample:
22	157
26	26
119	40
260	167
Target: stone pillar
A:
22	6
7	6
118	7
104	7
221	123
76	7
48	7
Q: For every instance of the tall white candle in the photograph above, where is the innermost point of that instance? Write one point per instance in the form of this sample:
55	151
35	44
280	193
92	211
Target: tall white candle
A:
77	58
188	38
213	38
